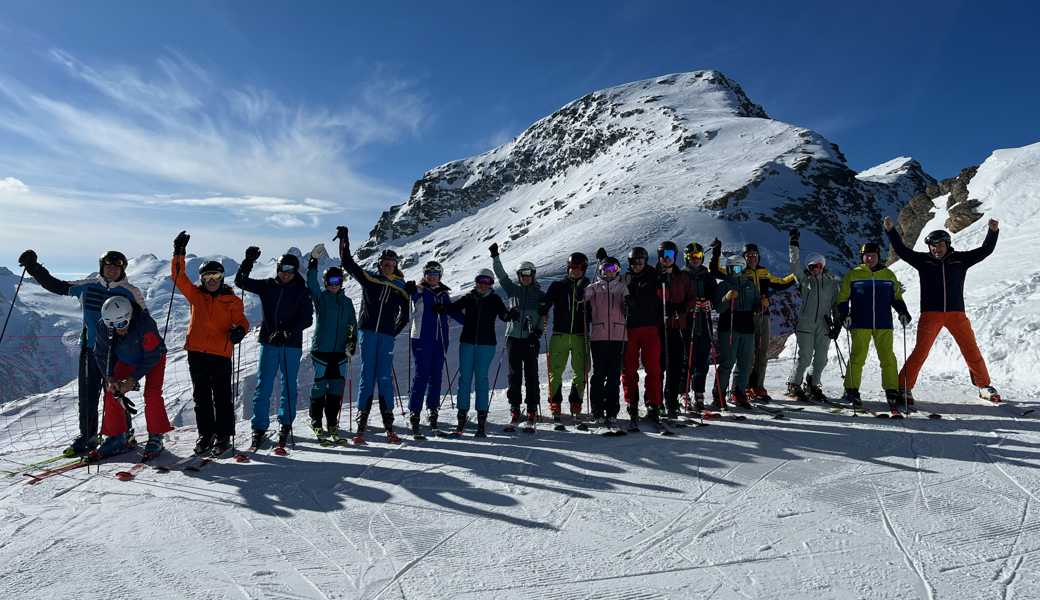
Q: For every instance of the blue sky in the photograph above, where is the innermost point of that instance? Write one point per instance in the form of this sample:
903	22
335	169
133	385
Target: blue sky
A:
269	123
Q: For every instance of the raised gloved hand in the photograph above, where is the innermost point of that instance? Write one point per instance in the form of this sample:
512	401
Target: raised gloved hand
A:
27	259
715	246
514	314
252	253
795	235
494	249
344	241
278	338
601	254
904	319
410	288
236	334
351	345
731	295
318	251
180	243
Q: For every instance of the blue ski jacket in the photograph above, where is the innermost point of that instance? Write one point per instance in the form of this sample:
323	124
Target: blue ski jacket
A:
384	303
141	346
285	306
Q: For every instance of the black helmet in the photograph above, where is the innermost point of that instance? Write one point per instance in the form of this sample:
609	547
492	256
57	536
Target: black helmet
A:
637	253
115	258
693	248
667	246
870	247
748	248
605	273
389	254
286	261
578	258
211	266
332	272
939	236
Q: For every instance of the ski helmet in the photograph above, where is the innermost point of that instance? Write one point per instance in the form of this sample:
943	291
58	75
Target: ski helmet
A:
576	259
332	273
433	267
288	263
748	248
113	258
609	269
691	250
211	266
116	312
389	254
870	247
667	247
485	276
526	268
815	259
939	236
733	262
637	253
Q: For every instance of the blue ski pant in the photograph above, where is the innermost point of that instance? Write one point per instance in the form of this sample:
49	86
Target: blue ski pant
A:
735	353
428	355
274	359
474	364
377	362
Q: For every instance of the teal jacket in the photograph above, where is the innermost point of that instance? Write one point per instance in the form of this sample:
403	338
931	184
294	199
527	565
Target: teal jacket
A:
523	298
335	320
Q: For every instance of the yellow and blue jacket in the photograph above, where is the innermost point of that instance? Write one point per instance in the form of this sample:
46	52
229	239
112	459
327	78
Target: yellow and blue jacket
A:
870	296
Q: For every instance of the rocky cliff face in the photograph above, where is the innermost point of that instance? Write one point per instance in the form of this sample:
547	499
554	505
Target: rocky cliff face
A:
962	211
685	157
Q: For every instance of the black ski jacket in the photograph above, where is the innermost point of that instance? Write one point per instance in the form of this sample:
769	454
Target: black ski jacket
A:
570	315
481	312
942	279
646	289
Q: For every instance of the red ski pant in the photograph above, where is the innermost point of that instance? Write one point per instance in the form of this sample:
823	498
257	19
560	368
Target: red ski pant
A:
154	406
932	322
645	341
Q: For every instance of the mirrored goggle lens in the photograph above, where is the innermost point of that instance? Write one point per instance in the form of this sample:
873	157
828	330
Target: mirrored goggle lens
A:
579	266
485	280
212	276
933	239
736	268
287	269
816	267
694	255
751	255
669	254
121	324
432	272
610	269
526	272
335	281
115	261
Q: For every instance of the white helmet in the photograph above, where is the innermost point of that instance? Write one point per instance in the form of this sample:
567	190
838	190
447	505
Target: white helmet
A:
116	312
736	261
815	258
525	265
485	273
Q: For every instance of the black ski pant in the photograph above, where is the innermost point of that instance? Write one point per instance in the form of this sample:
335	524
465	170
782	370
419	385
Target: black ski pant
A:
673	366
698	353
605	382
90	383
214	402
330	370
522	354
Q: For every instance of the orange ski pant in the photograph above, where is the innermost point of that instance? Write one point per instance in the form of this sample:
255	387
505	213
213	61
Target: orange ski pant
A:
932	322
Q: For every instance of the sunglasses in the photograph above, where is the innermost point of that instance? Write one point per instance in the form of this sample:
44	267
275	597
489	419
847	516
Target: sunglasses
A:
669	254
335	281
212	276
121	324
612	269
115	262
525	272
288	269
485	280
736	269
694	255
751	255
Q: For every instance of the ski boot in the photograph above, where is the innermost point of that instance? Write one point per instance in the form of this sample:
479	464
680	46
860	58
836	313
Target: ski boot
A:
417	433
221	445
283	438
153	447
815	390
613	428
718	401
633	418
686	403
558	421
113	444
203	444
257	438
359	434
851	396
653	413
907	397
698	401
482	416
531	419
761	396
795	391
388	425
892	397
742	401
84	443
988	392
463	416
579	424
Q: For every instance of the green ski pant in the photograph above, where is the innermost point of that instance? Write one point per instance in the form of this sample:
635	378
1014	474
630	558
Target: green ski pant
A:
883	344
562	345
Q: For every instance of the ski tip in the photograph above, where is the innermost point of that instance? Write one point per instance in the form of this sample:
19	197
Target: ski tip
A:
934	416
882	415
124	476
241	458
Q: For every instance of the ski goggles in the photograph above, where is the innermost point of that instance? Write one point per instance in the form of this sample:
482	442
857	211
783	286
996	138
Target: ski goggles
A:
120	325
115	261
669	254
694	255
335	281
525	272
485	280
736	269
214	276
432	272
610	269
287	268
578	266
815	267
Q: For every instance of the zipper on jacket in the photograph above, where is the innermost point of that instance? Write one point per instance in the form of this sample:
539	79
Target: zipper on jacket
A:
944	283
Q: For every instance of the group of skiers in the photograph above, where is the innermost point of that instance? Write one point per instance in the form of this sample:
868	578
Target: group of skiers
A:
658	316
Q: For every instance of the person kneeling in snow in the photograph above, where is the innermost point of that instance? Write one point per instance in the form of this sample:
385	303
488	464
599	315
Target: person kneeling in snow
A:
128	350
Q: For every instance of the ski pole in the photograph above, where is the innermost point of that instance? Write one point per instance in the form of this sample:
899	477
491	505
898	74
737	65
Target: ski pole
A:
548	371
350	383
397	389
288	392
667	359
718	382
104	386
173	292
12	305
494	386
906	397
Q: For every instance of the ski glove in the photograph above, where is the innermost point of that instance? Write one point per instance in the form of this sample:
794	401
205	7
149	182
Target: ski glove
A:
180	243
252	253
27	259
344	242
351	345
534	335
318	251
847	322
312	264
731	295
236	334
494	250
128	404
438	309
715	246
514	315
765	302
583	283
278	338
904	319
676	308
410	288
630	300
794	236
601	254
